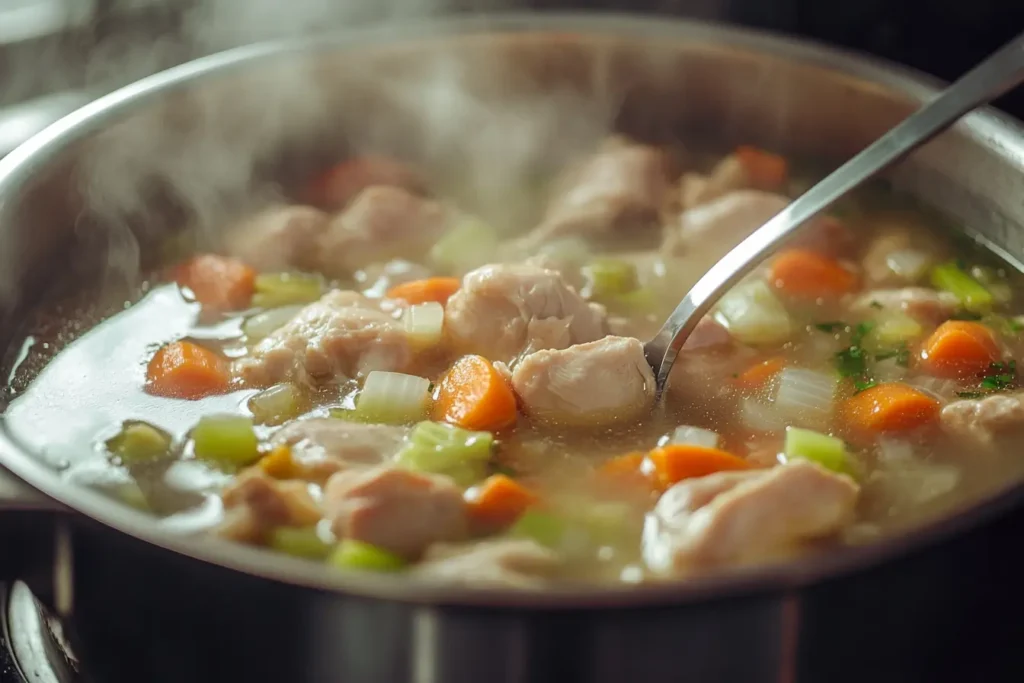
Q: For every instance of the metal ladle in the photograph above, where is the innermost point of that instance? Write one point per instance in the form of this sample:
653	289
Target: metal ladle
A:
999	73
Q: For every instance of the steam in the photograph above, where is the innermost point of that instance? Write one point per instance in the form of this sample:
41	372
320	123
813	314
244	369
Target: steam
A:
206	151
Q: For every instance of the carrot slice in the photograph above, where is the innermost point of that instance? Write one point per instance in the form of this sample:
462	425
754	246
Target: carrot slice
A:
186	370
959	348
437	289
622	465
279	463
807	274
765	170
218	282
890	407
759	374
473	395
676	462
498	501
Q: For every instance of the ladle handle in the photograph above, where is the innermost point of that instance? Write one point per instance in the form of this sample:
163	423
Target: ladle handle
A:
996	75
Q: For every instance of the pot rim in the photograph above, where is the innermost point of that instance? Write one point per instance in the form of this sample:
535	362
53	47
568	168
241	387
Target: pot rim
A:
989	127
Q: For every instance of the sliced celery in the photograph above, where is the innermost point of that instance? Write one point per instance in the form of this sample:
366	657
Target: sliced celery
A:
754	315
465	246
424	324
393	398
283	289
972	295
827	451
225	440
995	282
139	442
547	529
352	554
277	404
301	542
348	414
638	302
443	449
607	278
262	325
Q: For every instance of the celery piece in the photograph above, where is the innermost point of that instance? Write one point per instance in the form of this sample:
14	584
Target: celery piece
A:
470	243
393	398
424	324
263	324
300	542
640	301
607	278
754	315
139	442
892	329
348	414
283	289
827	451
995	282
547	529
972	295
225	440
443	449
353	554
277	404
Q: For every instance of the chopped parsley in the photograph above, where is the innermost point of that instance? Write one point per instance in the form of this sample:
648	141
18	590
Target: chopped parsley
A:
1016	325
862	384
877	304
901	354
851	362
830	326
861	331
1000	376
965	315
970	394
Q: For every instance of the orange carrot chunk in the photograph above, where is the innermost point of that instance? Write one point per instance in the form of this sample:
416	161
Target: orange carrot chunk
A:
765	170
675	462
807	274
759	374
186	370
421	291
890	407
498	501
217	282
473	395
959	349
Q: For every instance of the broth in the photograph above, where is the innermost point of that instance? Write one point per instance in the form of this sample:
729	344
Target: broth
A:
482	410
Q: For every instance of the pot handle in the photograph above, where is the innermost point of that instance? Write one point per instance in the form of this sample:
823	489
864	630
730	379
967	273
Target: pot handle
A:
35	543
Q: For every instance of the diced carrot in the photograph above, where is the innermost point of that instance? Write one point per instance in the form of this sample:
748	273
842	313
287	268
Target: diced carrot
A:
759	374
959	349
437	289
186	370
218	282
890	407
766	171
807	274
338	185
498	501
279	463
474	395
676	462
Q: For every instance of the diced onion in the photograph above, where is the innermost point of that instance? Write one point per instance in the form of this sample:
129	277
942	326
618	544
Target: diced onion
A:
943	389
892	451
892	329
888	370
805	397
909	264
694	436
424	323
916	482
754	315
760	417
393	397
264	324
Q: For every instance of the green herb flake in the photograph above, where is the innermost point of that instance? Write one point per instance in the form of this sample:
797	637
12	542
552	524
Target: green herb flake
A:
861	331
965	315
877	304
862	384
900	353
851	362
1016	325
970	394
834	326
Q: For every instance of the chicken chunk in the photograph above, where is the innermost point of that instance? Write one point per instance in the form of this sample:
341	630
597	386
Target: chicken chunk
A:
398	510
716	226
255	503
381	223
516	563
981	420
727	175
619	188
278	238
343	335
746	517
598	383
322	446
502	311
340	184
926	305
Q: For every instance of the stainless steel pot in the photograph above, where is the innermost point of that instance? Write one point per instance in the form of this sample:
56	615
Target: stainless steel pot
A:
147	603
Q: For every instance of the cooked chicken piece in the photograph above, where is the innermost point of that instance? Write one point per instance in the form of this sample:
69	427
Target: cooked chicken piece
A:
278	238
598	383
398	510
516	563
340	184
254	504
727	175
620	188
746	517
343	335
322	446
877	271
503	311
982	419
926	305
381	223
708	334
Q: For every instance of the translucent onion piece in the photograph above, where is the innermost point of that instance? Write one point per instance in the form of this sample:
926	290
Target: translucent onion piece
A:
264	324
760	417
424	323
393	397
754	315
909	264
806	397
696	436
